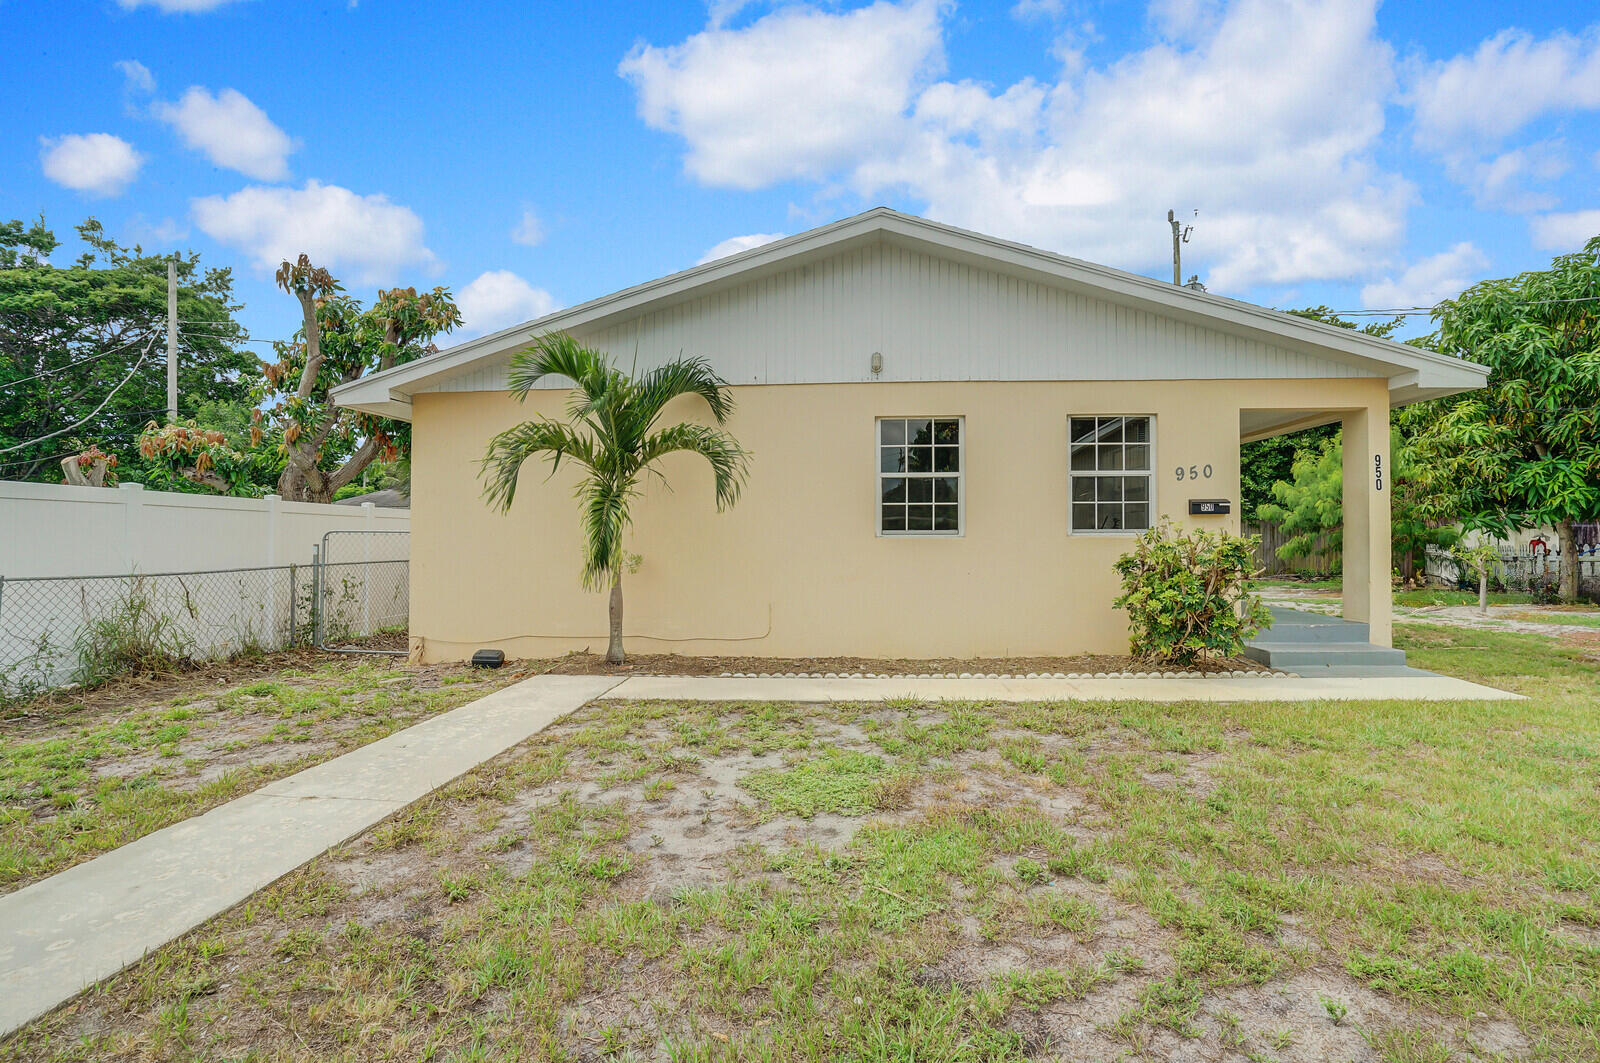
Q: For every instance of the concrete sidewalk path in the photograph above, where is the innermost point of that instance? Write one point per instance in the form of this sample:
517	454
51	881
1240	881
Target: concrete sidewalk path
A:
1262	688
64	934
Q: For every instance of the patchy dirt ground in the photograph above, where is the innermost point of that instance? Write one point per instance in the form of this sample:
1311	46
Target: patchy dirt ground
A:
903	881
83	772
676	664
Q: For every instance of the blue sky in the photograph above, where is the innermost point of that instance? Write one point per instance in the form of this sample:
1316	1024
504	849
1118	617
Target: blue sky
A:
536	155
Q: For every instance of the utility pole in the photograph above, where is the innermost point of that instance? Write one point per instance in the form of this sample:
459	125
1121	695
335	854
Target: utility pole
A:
172	341
1180	237
1177	254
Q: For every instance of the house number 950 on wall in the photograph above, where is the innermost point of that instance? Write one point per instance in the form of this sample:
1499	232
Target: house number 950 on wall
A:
1193	472
1377	472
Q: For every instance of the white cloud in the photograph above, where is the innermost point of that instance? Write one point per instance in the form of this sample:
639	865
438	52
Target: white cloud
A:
367	235
529	230
498	299
1262	114
1028	10
97	163
1467	106
719	12
798	93
1565	232
1425	282
136	75
1512	78
175	7
735	244
1501	182
231	131
158	234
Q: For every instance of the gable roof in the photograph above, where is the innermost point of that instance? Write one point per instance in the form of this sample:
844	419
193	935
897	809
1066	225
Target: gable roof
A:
1413	373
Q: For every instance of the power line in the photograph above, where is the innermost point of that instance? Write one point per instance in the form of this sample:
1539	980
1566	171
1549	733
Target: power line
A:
62	369
233	337
131	415
63	431
1405	311
35	461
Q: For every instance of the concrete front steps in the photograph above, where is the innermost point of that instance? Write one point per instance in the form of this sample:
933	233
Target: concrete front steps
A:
1311	644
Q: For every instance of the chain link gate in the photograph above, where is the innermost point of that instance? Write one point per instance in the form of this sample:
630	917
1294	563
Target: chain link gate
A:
360	588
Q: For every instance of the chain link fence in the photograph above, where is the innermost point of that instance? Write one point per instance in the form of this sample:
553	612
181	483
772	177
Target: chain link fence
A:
59	630
363	588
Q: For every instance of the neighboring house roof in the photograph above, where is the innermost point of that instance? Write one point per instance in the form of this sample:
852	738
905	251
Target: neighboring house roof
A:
388	498
885	276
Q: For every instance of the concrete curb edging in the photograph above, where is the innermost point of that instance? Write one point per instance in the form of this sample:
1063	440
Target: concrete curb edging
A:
1425	687
1237	674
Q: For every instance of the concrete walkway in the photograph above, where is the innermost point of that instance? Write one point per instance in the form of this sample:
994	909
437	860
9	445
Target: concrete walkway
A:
1421	687
64	934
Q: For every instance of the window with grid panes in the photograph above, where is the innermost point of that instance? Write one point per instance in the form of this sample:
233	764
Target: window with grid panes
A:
1112	485
919	475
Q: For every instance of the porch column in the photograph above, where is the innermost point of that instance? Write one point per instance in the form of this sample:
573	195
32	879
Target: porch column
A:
1367	486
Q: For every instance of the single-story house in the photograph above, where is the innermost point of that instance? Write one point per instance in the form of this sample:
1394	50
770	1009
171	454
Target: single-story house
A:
953	438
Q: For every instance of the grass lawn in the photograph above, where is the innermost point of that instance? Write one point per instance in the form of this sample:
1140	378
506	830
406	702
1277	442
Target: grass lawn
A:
84	773
1310	586
1554	616
1405	882
1441	596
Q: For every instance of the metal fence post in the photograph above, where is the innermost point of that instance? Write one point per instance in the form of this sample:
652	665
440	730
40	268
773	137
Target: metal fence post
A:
316	595
294	639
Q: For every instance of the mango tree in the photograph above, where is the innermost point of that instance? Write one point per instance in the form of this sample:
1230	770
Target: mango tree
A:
1525	451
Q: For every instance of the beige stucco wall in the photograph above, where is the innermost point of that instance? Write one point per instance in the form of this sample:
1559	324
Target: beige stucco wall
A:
796	568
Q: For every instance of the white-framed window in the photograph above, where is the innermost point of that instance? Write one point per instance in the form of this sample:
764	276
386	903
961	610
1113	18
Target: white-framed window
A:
920	478
1111	479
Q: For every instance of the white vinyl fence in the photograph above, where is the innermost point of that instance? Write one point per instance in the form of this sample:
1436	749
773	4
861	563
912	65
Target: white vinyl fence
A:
61	530
202	575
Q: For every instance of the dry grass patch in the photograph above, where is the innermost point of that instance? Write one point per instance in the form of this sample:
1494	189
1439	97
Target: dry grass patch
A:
83	773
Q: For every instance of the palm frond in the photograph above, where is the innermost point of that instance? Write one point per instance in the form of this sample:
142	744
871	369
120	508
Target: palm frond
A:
558	354
606	518
612	417
729	461
683	376
502	463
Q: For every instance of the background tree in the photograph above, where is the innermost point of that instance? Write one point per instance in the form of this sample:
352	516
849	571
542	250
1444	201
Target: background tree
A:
615	439
380	476
187	457
1265	462
326	447
69	336
1310	507
1525	451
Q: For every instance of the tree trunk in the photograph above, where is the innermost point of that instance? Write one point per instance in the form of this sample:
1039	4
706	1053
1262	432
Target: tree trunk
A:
614	651
1568	538
302	481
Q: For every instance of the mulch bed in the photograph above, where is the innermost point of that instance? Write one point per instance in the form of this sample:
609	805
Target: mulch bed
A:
678	664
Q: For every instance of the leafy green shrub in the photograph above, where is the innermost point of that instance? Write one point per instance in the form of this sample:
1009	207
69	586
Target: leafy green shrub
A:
1186	596
1310	509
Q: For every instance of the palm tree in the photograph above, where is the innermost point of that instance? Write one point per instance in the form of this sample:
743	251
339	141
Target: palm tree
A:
613	435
